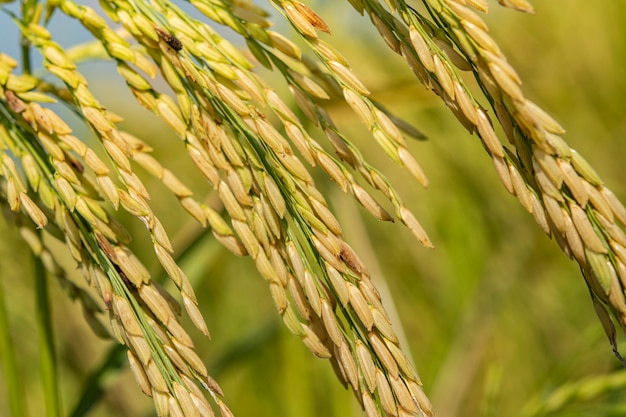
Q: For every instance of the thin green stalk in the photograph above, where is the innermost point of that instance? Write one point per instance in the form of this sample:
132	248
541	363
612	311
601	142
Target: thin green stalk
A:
46	342
28	10
9	364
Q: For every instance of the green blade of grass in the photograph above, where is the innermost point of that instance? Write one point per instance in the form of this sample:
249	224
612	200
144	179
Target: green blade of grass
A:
9	364
46	342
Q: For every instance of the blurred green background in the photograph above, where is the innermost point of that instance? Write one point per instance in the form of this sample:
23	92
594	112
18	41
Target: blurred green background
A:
497	319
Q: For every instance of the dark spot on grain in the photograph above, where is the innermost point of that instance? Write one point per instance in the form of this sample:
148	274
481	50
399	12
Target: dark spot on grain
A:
169	39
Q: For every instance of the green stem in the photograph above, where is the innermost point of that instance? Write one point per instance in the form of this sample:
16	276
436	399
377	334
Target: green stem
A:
9	364
25	47
27	10
46	342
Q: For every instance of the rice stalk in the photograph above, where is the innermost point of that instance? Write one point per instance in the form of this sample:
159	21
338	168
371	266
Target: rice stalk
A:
552	181
47	357
16	399
258	208
141	317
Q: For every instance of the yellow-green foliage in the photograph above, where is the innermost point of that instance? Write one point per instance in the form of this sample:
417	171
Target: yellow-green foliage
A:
495	319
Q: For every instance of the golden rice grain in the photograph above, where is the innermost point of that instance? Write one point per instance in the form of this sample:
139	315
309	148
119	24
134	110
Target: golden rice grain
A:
443	76
224	410
275	196
573	238
383	325
331	242
295	167
360	306
132	267
203	407
602	269
573	182
586	230
385	395
403	362
350	258
312	293
312	17
326	216
265	267
481	37
341	148
384	355
386	33
546	185
597	201
174	408
347	77
509	85
195	315
331	325
190	356
366	364
371	410
611	229
404	397
521	189
49	144
315	345
539	214
616	206
301	140
139	374
465	103
544	118
549	166
338	283
371	205
620	251
347	363
299	298
415	227
335	172
422	49
278	263
232	244
184	399
292	323
34	212
161	403
279	296
371	294
415	65
503	172
230	202
327	255
174	356
272	221
127	316
413	166
300	22
487	134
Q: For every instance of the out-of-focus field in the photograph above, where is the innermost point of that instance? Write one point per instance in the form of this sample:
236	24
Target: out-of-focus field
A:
498	321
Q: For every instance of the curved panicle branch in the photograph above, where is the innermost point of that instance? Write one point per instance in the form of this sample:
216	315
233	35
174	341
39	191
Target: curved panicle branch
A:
552	181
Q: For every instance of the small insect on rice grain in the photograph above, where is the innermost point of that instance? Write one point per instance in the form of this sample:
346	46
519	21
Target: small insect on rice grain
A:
169	39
